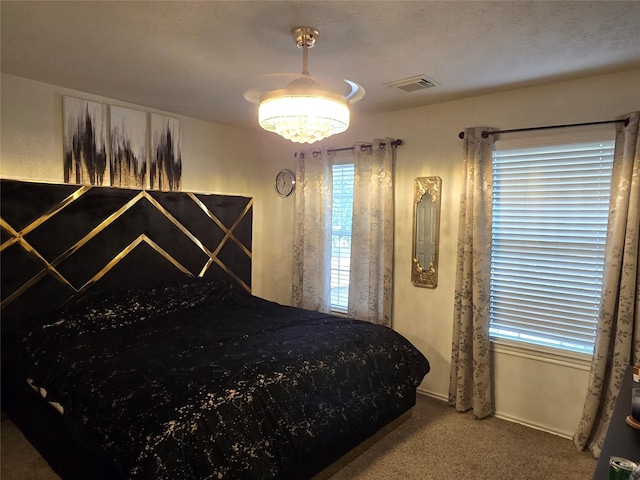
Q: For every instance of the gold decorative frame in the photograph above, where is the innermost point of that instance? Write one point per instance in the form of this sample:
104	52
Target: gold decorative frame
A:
426	189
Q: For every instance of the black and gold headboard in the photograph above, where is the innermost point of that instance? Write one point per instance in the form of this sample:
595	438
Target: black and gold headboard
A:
59	241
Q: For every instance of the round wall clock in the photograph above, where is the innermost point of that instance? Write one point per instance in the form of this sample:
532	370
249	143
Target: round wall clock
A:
285	183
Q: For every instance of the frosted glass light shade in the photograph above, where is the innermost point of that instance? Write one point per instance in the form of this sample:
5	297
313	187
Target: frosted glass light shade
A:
303	116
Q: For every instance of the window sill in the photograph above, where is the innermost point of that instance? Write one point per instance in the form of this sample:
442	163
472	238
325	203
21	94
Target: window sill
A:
579	361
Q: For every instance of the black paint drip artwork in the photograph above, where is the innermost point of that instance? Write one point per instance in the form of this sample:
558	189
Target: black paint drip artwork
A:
127	170
166	168
84	162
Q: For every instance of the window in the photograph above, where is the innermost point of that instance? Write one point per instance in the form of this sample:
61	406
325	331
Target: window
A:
342	209
550	210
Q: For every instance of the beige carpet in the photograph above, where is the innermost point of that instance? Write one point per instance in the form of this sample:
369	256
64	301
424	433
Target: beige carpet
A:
434	443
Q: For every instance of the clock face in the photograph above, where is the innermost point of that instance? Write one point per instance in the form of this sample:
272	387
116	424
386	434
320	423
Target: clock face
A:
285	183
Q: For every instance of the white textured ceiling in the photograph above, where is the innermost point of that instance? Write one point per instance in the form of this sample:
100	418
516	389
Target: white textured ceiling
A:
196	58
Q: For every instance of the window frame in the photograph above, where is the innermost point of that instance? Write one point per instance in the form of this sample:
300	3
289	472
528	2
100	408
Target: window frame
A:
537	139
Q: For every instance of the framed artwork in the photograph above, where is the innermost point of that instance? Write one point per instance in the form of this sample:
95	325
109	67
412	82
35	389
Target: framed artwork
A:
128	142
84	143
165	169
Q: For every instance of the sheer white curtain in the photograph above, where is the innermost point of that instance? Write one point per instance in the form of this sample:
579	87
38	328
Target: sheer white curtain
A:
370	286
312	231
470	377
618	336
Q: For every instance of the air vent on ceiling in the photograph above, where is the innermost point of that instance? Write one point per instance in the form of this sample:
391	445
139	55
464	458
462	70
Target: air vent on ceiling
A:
413	84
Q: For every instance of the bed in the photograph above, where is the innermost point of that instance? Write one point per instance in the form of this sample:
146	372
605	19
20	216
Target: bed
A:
133	347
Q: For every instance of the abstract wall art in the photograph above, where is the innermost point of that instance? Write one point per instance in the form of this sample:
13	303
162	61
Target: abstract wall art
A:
165	172
85	154
128	142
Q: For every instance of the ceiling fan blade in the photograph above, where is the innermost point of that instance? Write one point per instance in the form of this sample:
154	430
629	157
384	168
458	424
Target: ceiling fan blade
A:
352	91
253	95
357	92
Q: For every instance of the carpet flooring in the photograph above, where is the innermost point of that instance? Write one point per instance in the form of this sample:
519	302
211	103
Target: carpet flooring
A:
435	443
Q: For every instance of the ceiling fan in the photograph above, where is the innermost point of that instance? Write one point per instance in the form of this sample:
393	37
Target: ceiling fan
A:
308	108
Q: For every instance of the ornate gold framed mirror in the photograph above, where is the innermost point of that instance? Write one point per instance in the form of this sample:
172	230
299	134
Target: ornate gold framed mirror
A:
426	231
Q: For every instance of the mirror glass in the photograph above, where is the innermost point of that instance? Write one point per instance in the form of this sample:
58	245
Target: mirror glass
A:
426	231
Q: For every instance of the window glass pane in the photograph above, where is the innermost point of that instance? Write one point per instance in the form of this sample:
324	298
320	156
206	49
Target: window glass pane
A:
342	209
549	225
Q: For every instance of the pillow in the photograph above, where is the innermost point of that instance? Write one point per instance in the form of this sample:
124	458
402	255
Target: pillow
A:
106	310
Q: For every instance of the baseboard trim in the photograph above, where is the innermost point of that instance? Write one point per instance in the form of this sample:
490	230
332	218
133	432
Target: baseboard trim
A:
535	426
502	416
437	396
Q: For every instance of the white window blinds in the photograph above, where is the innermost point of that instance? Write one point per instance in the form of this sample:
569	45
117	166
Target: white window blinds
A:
341	213
550	210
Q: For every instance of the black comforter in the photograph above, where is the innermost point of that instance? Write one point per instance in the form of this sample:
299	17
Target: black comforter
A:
204	381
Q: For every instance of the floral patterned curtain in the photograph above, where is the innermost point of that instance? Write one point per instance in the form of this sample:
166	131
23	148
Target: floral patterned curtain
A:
470	377
618	336
372	233
312	232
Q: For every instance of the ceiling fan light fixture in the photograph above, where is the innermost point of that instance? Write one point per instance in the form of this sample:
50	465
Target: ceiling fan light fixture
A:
302	116
305	111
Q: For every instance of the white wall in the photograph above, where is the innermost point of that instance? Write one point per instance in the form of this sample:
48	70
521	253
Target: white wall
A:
547	393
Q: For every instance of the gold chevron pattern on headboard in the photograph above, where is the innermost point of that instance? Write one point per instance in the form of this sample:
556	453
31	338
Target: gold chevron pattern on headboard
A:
60	240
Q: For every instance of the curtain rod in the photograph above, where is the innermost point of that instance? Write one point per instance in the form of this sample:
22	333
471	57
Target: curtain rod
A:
395	143
486	133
